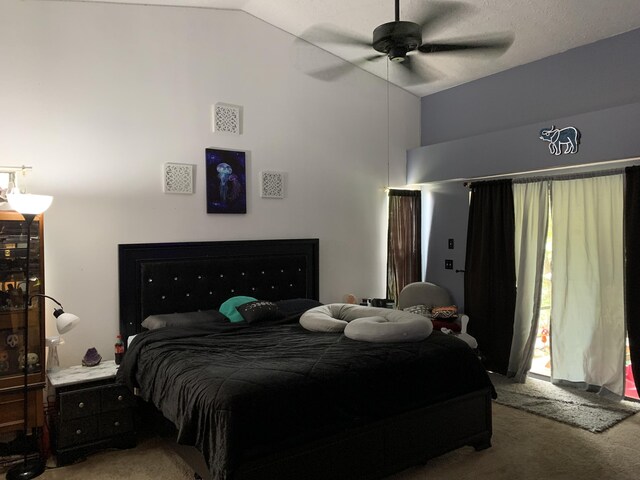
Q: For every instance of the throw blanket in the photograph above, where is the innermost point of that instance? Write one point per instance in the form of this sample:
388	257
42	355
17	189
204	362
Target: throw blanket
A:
241	390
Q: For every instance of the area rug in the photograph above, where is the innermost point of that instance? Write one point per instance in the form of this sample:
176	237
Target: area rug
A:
581	409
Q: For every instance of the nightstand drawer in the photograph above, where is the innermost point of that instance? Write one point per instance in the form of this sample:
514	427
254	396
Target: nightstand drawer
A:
81	403
115	423
80	430
116	397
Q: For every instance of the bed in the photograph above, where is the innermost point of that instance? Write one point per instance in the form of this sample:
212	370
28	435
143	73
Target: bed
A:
273	400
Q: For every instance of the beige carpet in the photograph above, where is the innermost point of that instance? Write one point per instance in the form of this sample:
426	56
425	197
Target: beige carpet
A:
530	447
525	446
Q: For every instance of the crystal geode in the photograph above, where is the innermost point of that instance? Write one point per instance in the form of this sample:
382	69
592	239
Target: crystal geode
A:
91	358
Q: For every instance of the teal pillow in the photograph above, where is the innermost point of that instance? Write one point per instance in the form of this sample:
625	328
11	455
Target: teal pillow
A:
229	308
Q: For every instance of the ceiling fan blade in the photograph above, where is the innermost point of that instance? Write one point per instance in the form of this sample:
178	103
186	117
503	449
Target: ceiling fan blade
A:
371	58
336	71
319	34
498	44
329	74
414	72
440	13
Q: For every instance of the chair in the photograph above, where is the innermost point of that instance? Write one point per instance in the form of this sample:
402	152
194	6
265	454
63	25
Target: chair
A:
432	295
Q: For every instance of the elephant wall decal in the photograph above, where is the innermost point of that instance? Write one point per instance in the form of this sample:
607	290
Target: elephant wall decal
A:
569	137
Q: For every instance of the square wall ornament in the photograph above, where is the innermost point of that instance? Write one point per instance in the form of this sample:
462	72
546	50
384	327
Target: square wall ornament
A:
272	184
178	178
227	118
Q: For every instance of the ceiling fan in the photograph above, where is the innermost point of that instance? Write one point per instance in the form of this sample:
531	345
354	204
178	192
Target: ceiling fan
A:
401	40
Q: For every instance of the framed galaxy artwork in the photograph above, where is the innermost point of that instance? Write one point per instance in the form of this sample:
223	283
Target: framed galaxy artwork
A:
226	181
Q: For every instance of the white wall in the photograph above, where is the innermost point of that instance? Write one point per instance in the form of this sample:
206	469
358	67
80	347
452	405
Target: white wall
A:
96	98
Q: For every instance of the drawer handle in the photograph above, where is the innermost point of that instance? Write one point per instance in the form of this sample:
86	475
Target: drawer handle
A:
81	405
78	432
120	398
117	424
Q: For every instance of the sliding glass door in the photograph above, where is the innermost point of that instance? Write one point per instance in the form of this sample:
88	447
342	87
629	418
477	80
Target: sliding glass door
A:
541	364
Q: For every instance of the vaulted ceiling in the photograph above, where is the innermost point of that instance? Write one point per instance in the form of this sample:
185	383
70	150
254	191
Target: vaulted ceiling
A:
531	29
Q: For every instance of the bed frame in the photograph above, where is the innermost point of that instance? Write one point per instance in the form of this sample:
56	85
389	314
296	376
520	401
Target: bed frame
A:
180	277
157	278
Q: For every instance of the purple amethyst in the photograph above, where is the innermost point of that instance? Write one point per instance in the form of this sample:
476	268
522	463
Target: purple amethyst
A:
91	358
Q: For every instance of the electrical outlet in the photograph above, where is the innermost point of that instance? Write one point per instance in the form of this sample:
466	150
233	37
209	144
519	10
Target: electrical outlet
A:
451	244
448	264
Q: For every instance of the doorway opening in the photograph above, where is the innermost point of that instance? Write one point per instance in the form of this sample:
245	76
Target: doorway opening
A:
541	363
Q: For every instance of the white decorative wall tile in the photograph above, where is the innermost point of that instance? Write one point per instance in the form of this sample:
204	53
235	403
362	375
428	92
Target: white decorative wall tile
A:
272	184
178	178
227	118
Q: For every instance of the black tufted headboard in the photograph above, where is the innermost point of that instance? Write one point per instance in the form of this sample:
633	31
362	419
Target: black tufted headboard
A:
157	278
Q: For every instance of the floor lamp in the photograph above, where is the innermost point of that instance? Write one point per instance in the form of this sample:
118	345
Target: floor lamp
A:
29	206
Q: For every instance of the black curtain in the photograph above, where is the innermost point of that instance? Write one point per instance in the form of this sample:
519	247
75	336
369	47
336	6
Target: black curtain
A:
403	240
632	265
490	273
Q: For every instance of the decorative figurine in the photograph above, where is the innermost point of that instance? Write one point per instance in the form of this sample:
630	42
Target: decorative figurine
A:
32	362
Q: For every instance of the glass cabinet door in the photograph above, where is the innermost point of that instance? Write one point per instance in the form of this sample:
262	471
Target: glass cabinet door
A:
14	275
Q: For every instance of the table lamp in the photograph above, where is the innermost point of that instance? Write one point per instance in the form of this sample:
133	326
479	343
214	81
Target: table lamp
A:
64	323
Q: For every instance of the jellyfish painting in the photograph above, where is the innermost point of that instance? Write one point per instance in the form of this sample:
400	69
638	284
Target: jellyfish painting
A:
226	181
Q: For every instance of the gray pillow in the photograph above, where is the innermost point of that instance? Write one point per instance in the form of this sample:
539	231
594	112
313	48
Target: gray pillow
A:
184	319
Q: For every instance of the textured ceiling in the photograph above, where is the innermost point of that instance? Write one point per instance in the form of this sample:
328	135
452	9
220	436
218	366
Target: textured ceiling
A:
539	28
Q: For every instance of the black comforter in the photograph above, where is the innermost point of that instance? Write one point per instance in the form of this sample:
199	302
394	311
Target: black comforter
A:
240	390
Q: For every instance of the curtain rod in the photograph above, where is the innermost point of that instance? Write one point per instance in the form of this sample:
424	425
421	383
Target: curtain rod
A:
541	173
570	176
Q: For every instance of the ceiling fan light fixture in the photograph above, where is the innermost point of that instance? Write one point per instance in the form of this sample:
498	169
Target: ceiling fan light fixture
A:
397	54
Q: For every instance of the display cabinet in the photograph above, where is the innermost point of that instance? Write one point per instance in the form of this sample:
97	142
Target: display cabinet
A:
14	273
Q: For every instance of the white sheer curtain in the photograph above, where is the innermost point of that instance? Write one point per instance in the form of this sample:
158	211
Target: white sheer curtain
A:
587	313
531	210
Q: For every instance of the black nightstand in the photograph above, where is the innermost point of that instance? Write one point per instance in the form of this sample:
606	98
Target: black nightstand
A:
91	412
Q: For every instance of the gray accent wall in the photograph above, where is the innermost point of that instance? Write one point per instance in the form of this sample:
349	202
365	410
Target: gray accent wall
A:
490	127
585	79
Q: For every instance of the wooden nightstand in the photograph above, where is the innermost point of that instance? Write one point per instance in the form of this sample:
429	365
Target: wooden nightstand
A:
91	412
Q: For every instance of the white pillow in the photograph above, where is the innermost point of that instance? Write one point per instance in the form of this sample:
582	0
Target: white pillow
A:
379	329
369	324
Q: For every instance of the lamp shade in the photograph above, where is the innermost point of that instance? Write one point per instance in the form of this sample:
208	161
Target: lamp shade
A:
65	322
29	203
